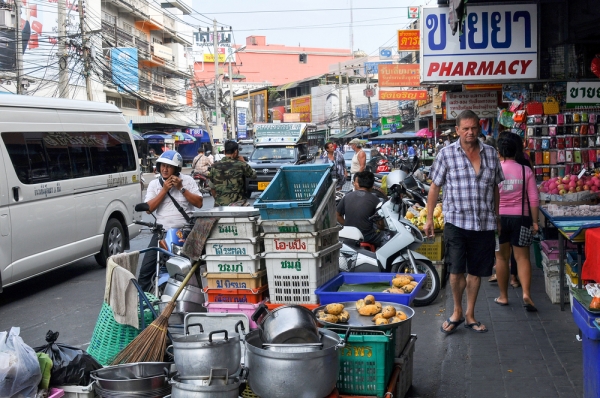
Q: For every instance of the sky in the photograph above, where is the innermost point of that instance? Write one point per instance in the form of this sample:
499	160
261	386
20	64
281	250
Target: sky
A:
311	23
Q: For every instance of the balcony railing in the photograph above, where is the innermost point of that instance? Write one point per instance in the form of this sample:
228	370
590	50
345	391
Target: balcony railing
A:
170	92
124	38
145	86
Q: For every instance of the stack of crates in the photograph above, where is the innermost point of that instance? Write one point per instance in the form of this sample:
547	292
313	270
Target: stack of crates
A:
235	279
551	267
299	232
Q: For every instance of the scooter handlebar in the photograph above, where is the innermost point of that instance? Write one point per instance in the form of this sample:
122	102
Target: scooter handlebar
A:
148	224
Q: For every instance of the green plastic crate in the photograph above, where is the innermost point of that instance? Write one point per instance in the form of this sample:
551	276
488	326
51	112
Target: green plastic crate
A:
366	363
110	337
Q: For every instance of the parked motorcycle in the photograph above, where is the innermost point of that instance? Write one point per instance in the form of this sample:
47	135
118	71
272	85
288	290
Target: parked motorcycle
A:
170	243
397	253
202	182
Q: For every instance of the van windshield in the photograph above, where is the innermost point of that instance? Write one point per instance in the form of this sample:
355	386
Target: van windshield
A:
273	153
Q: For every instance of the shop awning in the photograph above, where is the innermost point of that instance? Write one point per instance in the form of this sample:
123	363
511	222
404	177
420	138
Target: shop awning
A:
297	83
158	120
343	134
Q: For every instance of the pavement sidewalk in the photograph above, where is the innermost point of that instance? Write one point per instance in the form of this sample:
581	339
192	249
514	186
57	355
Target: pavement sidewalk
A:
524	354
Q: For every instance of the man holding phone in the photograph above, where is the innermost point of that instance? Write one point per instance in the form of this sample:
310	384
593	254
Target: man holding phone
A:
183	189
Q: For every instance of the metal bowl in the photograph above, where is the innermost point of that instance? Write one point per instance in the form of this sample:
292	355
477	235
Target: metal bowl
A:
359	322
133	377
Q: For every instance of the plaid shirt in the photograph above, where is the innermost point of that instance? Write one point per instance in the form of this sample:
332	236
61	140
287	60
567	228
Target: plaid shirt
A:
468	198
201	164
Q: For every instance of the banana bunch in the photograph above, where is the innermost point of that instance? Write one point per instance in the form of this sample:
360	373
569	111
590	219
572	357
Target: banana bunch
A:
417	215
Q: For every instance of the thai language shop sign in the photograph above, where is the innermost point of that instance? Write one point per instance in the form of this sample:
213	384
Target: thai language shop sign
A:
483	103
399	75
403	95
302	106
500	42
409	40
278	132
583	94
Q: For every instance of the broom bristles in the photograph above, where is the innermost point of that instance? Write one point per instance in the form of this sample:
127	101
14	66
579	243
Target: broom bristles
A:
150	345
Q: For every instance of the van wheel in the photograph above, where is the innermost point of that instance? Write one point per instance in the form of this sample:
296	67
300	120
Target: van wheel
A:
112	243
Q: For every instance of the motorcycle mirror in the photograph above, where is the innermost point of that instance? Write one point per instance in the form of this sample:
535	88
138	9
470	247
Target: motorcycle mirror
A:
142	207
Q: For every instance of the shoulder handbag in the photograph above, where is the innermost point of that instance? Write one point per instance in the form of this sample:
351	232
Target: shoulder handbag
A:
551	106
525	233
177	205
535	108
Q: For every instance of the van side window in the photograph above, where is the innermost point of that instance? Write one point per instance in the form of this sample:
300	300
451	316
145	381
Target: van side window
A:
45	157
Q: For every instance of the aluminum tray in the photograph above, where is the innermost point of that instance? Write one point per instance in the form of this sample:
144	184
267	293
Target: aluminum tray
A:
228	211
360	322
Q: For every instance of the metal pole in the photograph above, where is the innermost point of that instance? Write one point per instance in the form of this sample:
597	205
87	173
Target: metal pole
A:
86	53
204	117
340	95
350	101
63	63
19	54
216	52
370	108
231	109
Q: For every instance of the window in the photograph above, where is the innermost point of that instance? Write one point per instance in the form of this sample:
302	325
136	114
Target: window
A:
129	103
114	100
155	40
127	28
46	157
111	19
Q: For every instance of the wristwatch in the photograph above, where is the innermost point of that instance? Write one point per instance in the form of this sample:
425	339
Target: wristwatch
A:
182	190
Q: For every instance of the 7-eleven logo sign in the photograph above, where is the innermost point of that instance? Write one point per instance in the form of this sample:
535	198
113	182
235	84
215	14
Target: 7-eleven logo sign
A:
413	12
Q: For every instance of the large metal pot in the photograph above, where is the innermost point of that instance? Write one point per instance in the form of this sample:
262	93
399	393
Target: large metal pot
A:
289	324
206	387
190	293
196	354
275	374
133	377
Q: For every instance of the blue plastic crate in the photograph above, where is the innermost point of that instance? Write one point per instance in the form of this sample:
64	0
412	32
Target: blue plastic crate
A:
590	337
295	192
328	293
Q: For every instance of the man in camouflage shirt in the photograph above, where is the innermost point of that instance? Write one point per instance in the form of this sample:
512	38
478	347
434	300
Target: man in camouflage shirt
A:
227	176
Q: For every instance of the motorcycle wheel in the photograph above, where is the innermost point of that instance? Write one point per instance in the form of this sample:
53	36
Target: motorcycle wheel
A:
432	285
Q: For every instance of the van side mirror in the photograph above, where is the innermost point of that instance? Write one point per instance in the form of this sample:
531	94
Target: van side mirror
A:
142	207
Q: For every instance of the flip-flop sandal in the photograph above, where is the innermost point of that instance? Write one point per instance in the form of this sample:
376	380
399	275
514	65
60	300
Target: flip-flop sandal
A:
515	285
493	279
472	325
450	322
499	303
529	307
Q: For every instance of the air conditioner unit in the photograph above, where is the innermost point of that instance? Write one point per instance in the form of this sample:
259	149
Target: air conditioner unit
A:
6	19
111	102
150	110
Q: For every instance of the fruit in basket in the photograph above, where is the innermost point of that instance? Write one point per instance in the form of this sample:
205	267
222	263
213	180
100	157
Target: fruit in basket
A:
400	281
417	215
409	276
388	312
334	309
369	310
370	299
395	290
381	321
377	316
408	288
414	283
344	317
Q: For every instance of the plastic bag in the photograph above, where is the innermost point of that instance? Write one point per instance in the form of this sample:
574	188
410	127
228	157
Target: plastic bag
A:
70	365
19	367
593	290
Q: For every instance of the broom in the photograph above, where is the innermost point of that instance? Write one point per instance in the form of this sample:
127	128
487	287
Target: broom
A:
150	345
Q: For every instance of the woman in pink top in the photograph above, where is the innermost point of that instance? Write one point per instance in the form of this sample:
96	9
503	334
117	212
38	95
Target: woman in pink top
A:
511	196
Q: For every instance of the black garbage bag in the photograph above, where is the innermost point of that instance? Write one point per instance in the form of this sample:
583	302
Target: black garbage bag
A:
70	365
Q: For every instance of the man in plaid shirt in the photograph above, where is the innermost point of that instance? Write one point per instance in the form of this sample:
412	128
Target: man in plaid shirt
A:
201	163
470	172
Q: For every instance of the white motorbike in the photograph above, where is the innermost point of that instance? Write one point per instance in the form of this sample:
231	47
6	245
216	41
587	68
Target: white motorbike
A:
397	253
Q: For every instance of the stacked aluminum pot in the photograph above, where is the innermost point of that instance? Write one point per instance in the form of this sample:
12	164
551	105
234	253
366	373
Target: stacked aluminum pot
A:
141	380
289	356
206	364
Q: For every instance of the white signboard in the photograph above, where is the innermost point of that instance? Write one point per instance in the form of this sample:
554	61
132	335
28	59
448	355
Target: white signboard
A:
583	94
163	52
483	103
500	42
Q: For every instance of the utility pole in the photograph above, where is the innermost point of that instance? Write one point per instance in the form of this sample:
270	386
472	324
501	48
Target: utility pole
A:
19	54
206	123
216	52
63	73
369	99
86	53
340	95
231	110
350	100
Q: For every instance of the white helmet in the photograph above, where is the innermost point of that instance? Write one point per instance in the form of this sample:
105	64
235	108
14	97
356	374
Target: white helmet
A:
170	157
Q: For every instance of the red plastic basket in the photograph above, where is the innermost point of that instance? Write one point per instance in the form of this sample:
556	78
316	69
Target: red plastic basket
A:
252	296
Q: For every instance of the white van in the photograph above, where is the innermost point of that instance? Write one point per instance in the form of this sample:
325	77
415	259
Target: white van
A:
69	180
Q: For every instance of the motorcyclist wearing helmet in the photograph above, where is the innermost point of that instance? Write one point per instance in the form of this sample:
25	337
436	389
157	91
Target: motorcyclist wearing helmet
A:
183	189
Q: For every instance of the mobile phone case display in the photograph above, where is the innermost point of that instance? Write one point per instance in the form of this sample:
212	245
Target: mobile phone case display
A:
563	143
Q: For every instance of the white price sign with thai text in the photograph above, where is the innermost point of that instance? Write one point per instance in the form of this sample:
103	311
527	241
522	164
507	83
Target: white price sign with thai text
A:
583	94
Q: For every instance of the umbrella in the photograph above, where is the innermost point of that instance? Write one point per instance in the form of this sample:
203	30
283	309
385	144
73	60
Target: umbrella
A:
158	137
424	133
179	136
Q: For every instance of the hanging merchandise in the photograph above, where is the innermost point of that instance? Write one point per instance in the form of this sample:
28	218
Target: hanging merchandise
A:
551	106
595	66
506	118
534	108
520	116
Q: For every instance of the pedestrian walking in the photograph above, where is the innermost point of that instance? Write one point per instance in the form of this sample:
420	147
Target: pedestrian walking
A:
359	160
470	172
519	205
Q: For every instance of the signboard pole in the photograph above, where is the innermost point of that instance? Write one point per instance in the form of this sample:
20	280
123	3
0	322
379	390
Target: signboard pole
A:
216	55
370	108
63	73
340	94
434	119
